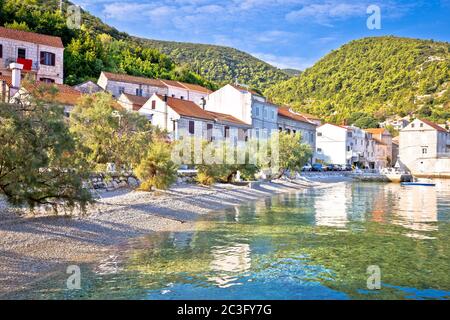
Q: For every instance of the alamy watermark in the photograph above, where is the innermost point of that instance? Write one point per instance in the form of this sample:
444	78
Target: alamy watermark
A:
74	280
73	14
374	20
374	279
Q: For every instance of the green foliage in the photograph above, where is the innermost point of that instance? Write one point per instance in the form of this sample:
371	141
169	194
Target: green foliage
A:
157	168
39	164
363	120
95	47
293	153
109	135
379	77
221	64
210	173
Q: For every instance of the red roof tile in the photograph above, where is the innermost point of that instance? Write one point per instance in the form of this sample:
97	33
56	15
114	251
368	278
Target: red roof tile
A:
433	125
287	113
65	94
31	37
121	77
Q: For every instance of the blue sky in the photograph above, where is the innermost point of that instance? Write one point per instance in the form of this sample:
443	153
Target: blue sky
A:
285	33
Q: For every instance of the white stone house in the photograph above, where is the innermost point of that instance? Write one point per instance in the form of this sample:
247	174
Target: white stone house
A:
425	148
363	148
182	118
334	144
383	147
246	105
117	84
42	56
292	122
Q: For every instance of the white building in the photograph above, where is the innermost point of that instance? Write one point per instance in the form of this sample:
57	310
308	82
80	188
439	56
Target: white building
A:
246	105
117	84
182	117
425	148
42	56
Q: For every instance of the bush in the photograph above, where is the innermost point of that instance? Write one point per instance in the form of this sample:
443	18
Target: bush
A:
157	168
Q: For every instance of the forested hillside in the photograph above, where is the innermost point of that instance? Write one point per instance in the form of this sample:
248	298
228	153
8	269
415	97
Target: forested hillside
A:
94	47
221	64
98	46
374	77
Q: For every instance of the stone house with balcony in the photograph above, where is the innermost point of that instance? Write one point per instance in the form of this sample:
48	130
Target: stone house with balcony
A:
425	149
42	56
181	118
117	84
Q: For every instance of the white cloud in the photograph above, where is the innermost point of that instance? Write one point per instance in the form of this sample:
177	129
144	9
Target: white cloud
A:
324	13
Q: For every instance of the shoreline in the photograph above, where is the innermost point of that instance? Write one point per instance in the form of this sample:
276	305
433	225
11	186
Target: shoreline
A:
37	246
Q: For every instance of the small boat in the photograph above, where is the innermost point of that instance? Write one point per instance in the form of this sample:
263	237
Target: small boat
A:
420	184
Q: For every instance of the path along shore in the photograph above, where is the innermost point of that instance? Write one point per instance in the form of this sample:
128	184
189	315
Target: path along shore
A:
32	247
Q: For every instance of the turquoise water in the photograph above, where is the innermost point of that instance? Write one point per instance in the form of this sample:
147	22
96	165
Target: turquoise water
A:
315	244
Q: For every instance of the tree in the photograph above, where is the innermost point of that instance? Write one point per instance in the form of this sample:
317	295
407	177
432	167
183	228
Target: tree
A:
157	168
39	164
293	153
108	133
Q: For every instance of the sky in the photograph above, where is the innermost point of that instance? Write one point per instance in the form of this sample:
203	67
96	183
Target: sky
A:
285	33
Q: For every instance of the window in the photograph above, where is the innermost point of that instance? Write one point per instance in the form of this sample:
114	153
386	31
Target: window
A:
121	90
227	132
294	131
257	111
47	80
349	148
265	113
21	53
280	129
424	150
48	58
182	98
413	125
349	134
1	51
209	132
153	105
319	150
319	134
139	92
273	115
421	125
191	127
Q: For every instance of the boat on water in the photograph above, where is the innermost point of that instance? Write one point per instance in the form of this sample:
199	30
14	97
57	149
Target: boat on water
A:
420	184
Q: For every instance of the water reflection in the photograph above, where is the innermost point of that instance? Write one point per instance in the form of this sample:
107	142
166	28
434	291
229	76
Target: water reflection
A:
293	247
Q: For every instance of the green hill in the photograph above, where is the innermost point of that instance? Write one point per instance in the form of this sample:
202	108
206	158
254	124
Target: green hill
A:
220	64
98	46
374	78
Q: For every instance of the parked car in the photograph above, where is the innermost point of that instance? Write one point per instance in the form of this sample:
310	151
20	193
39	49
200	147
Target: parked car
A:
317	167
308	167
348	167
329	167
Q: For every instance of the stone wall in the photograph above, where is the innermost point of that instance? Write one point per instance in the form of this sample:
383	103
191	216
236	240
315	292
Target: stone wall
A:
113	182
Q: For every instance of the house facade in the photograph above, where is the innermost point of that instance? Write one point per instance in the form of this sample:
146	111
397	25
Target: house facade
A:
425	148
245	105
334	144
182	118
88	87
42	56
383	147
117	84
131	102
291	122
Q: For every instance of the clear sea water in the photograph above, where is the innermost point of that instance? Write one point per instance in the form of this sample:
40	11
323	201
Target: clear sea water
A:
314	244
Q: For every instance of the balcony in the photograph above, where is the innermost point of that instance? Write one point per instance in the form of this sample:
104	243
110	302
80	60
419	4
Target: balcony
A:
28	64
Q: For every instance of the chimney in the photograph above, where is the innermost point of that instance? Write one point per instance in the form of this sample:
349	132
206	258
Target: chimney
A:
166	98
204	103
16	76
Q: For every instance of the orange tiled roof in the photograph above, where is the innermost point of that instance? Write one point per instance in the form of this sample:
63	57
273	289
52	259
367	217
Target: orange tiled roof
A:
31	37
286	112
240	88
433	125
65	94
121	77
375	130
136	100
190	109
228	118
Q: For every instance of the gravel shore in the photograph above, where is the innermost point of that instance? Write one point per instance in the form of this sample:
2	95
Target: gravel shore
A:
32	247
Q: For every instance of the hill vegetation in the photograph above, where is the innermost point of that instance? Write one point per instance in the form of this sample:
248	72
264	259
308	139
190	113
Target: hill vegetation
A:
374	78
221	64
